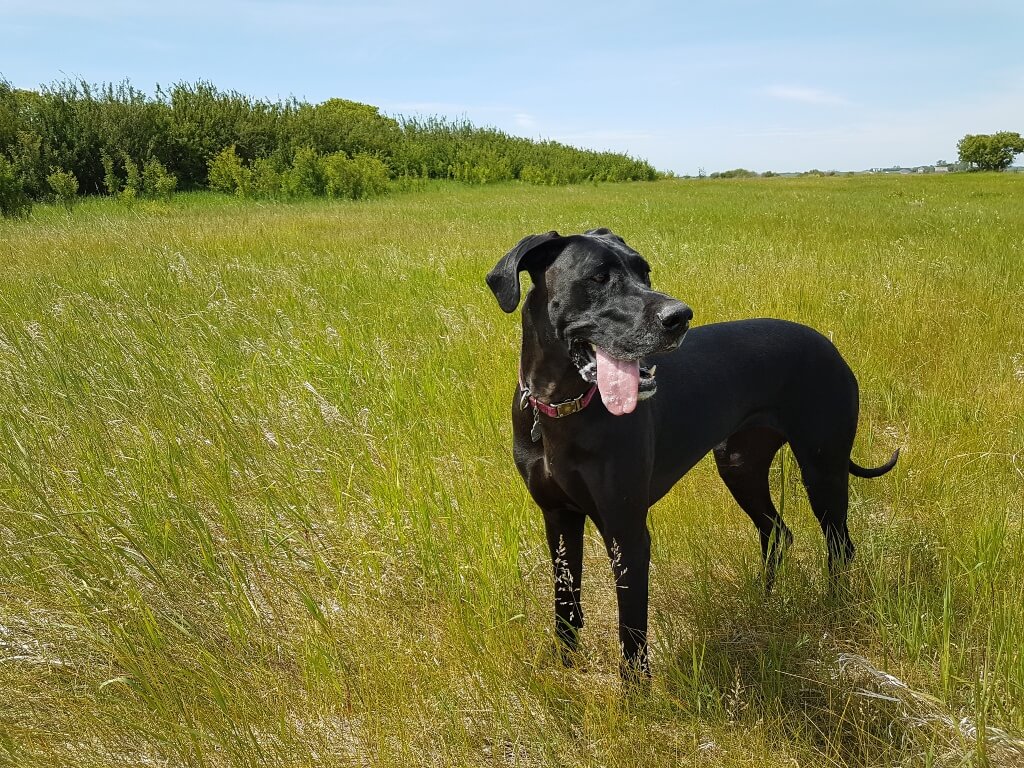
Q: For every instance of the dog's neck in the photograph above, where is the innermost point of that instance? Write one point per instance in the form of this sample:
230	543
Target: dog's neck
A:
545	365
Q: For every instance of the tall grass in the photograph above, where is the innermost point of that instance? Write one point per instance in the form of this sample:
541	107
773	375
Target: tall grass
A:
257	504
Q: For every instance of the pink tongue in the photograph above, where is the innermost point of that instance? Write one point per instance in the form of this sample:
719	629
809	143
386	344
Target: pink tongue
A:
618	381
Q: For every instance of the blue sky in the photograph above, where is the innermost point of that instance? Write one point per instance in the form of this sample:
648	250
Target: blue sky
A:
714	85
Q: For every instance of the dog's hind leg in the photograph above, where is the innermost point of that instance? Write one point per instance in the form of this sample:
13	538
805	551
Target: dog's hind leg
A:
743	462
828	490
826	477
564	530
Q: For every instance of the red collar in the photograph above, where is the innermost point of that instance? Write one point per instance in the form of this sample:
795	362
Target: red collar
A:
554	410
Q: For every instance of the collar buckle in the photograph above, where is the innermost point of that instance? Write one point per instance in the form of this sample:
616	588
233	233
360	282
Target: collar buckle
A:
567	408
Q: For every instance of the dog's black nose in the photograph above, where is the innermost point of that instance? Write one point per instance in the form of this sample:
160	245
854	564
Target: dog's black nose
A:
675	317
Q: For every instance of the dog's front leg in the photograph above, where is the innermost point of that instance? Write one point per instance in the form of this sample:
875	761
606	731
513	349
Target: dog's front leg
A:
565	541
629	549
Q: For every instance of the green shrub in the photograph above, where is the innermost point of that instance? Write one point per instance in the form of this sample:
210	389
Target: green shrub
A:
265	178
166	185
227	173
243	181
305	177
111	181
340	173
13	199
372	174
354	178
156	181
133	180
534	174
27	156
64	186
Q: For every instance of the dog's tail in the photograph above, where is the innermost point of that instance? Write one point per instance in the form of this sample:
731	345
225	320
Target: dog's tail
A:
858	471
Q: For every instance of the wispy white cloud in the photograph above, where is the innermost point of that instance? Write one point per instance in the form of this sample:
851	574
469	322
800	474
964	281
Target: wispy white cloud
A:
524	120
805	95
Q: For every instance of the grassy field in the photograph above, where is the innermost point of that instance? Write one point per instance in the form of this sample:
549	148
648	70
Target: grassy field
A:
257	503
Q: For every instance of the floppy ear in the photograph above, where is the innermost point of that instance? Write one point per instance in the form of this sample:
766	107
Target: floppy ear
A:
604	231
503	280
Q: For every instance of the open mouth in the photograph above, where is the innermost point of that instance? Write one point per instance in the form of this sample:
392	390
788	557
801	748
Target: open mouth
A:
622	383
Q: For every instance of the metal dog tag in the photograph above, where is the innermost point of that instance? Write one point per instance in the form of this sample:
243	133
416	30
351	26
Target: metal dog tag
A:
535	431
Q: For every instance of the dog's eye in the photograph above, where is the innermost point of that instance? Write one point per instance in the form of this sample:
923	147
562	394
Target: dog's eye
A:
600	277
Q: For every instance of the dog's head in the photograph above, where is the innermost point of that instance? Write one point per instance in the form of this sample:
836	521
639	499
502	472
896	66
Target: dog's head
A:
601	306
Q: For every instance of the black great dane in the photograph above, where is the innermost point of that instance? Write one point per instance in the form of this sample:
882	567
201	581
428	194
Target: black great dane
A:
740	389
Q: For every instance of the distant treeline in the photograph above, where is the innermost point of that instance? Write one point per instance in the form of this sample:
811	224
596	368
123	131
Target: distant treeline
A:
73	138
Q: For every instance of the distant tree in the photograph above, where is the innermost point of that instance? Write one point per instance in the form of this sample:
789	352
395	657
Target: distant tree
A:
340	125
735	173
990	152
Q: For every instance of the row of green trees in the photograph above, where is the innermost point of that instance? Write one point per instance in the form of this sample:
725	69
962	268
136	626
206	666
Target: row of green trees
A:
108	138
